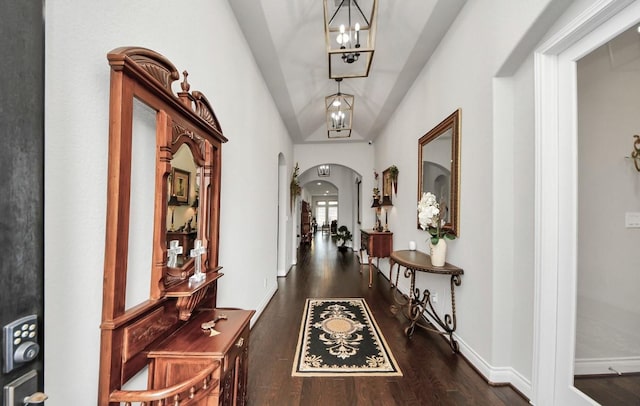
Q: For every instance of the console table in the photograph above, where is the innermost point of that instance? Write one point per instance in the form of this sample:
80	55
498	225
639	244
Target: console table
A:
378	244
417	303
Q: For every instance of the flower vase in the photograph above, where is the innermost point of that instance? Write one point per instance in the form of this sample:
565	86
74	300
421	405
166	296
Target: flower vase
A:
438	252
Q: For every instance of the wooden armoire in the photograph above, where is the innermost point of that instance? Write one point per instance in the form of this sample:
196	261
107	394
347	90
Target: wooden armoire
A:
159	311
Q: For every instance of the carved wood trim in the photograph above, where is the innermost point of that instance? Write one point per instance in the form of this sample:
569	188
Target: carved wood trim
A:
204	110
151	62
185	393
186	304
143	332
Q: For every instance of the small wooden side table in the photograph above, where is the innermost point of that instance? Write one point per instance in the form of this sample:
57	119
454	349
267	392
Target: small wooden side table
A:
416	303
378	244
191	349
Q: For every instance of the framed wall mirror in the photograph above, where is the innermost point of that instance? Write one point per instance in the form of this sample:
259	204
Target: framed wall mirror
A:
439	168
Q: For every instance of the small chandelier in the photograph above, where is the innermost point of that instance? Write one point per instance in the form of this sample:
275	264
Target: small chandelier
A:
350	37
324	170
339	107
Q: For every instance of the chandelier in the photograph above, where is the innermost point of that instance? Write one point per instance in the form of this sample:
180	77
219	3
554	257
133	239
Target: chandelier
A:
350	36
339	108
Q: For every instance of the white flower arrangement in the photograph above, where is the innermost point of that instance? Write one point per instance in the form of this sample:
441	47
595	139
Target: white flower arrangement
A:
429	218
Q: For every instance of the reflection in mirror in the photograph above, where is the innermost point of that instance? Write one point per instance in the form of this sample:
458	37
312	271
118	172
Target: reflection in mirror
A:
143	163
183	192
438	167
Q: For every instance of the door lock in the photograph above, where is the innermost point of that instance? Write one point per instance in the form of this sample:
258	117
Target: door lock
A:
20	342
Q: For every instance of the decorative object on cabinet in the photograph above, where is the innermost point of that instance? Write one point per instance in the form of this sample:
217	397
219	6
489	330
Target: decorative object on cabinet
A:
350	37
194	206
439	167
340	337
342	236
386	206
416	304
294	187
149	309
378	245
635	154
172	203
185	240
375	205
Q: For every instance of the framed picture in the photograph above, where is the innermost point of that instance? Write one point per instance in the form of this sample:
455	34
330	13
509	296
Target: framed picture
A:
387	184
180	185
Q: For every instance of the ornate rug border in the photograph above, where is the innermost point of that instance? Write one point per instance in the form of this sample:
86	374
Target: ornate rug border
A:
305	316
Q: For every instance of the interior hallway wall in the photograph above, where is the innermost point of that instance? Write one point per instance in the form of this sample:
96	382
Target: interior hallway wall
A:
495	301
194	37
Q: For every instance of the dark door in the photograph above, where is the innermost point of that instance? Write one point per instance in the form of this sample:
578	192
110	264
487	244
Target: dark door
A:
21	186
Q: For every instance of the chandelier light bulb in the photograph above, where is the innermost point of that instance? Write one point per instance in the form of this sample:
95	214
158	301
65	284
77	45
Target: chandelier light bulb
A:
336	103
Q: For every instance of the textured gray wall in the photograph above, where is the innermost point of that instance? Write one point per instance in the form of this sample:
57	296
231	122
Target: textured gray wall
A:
21	166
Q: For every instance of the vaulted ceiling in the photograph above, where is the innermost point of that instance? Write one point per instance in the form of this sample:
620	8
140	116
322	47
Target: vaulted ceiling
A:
287	40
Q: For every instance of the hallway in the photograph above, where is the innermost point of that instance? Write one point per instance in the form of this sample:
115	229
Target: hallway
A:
433	375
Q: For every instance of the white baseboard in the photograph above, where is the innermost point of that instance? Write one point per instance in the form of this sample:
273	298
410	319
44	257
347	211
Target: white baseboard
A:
600	366
265	301
495	375
284	272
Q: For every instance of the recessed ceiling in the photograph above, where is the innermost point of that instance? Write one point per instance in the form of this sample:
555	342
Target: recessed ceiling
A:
320	188
287	40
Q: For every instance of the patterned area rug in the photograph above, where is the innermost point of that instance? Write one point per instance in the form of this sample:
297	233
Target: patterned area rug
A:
340	337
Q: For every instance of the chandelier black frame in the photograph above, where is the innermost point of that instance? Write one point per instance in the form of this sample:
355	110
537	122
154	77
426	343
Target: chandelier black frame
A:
350	37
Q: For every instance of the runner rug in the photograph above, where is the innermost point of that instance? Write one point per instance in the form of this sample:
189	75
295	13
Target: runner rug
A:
340	337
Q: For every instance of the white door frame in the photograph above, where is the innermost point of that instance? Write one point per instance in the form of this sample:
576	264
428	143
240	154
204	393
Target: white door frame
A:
556	196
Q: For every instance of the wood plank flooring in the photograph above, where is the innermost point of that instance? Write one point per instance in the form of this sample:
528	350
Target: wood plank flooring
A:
611	390
433	375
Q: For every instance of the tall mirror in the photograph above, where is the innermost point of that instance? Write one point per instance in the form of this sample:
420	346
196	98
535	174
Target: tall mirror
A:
183	206
439	168
142	202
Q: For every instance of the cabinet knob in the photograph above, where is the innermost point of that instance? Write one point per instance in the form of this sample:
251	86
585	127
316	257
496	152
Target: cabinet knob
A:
240	342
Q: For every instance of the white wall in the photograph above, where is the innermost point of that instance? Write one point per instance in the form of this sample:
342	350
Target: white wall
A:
494	302
195	36
607	329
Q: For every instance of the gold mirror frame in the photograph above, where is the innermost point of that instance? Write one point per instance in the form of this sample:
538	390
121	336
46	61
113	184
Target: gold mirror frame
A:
438	134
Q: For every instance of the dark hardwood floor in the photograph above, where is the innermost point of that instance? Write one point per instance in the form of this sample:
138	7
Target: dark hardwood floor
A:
433	375
611	390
